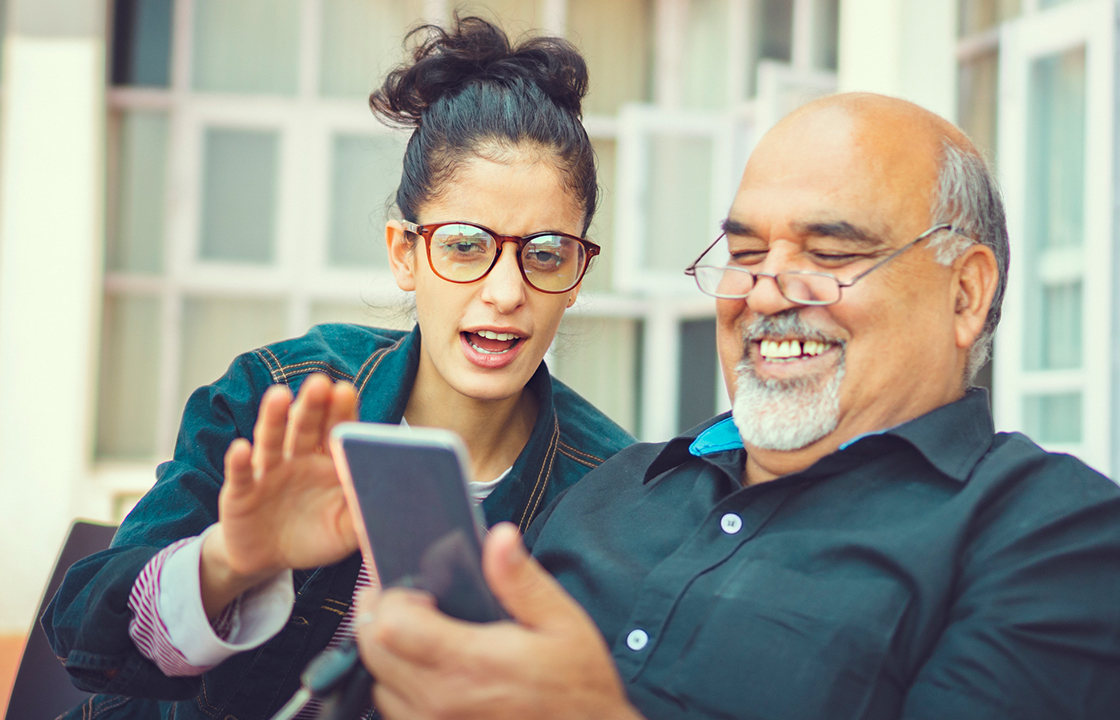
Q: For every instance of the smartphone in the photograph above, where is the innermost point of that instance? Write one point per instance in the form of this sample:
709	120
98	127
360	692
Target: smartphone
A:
407	490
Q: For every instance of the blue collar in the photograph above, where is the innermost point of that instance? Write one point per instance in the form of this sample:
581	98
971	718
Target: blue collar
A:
718	438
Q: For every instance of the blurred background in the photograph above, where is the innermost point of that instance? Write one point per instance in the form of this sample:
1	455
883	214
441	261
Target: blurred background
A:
184	180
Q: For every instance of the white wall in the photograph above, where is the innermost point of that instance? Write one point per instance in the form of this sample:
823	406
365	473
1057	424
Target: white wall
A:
51	171
905	48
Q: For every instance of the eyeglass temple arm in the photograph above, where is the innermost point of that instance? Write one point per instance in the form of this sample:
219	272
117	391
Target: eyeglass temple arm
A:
932	231
691	269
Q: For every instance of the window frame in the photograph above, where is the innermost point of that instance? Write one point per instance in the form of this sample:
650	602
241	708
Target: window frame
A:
1034	35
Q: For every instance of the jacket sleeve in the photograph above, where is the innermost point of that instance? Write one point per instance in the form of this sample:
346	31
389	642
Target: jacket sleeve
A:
87	620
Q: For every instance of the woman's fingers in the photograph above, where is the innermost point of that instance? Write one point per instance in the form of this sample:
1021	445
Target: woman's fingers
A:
305	426
343	408
269	431
239	468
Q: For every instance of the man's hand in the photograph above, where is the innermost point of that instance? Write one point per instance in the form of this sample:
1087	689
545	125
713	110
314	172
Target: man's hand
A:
551	662
281	506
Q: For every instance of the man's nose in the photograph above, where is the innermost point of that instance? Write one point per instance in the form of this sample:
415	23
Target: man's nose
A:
766	297
504	287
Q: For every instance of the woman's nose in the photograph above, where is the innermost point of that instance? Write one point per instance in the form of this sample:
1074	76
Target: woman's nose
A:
504	286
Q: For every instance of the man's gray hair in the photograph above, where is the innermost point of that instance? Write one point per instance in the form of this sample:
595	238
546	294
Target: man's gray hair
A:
968	198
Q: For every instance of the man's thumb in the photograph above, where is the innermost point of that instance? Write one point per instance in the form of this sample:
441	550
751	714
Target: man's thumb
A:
522	586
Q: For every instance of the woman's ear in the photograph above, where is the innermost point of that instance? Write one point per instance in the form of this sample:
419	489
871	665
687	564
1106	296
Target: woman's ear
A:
573	294
401	255
975	286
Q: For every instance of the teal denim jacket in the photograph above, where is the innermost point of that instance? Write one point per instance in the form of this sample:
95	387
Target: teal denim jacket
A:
87	621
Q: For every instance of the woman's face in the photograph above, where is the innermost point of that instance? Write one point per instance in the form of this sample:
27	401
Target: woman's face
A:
520	197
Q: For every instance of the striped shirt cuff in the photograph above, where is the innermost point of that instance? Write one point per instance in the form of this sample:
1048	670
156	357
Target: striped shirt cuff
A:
170	627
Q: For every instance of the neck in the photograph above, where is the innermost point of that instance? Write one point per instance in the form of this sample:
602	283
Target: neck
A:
494	431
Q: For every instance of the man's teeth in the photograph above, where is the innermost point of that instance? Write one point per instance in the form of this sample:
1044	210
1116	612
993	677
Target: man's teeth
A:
790	348
491	335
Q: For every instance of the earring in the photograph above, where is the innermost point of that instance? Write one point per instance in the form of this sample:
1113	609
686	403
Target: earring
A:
571	300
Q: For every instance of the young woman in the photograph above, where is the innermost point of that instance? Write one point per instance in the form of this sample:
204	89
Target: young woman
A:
240	564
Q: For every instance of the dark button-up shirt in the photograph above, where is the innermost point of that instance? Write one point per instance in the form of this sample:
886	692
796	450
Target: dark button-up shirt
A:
934	570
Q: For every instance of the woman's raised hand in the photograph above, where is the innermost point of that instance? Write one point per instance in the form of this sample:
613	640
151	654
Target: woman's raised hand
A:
281	506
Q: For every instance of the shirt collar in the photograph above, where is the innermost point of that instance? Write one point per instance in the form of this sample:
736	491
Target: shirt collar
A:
952	438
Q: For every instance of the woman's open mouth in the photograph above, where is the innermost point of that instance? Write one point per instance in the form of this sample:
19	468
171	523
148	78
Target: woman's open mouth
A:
489	348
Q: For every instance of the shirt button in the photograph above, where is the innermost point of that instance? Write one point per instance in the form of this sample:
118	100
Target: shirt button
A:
731	523
637	639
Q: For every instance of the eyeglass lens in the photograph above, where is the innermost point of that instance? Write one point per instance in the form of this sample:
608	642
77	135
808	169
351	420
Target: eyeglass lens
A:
464	253
731	282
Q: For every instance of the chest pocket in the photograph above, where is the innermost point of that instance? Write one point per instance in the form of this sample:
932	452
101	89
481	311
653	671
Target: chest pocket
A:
774	643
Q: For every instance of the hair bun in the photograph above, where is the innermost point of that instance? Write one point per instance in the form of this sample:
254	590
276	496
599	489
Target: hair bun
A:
476	51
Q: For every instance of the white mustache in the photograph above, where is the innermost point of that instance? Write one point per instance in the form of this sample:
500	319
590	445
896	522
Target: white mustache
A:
785	323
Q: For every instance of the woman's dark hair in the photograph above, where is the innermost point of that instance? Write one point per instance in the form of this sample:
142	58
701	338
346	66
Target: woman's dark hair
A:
468	91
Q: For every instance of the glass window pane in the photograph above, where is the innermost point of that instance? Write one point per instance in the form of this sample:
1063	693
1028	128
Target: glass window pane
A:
1055	337
1055	210
697	375
770	33
362	41
616	40
366	173
249	46
142	42
705	56
239	195
597	357
679	198
129	378
394	318
216	330
978	88
775	31
1056	147
138	175
978	15
826	33
1053	418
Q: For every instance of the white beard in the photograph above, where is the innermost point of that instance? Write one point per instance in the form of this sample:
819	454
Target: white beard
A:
785	414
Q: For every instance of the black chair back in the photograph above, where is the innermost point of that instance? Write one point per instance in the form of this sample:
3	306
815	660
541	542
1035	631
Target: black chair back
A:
42	689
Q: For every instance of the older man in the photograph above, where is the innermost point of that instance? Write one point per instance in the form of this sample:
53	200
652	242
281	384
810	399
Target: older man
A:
855	541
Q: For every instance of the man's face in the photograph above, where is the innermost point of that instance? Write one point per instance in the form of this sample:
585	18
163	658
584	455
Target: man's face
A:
835	193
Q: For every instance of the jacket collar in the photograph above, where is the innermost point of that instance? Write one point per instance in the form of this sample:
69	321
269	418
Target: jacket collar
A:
952	438
384	399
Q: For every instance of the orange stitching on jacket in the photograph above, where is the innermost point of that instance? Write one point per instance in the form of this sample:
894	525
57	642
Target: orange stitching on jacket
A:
106	707
274	365
373	369
581	461
550	453
568	447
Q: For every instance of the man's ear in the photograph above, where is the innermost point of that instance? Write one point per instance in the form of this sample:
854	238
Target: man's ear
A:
975	284
402	255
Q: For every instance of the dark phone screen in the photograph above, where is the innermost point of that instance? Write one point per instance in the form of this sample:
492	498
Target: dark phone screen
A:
416	512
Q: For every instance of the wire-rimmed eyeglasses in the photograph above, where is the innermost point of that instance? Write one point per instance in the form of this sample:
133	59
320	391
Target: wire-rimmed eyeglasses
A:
462	252
732	282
